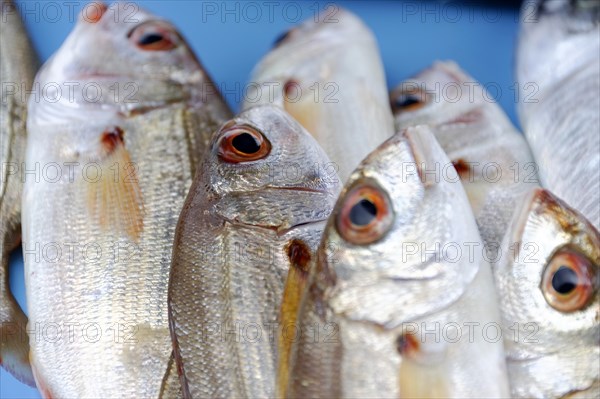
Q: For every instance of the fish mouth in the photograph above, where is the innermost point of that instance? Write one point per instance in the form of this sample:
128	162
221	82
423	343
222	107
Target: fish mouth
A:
99	75
279	220
300	189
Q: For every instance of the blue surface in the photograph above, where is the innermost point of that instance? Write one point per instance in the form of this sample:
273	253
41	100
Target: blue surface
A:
231	37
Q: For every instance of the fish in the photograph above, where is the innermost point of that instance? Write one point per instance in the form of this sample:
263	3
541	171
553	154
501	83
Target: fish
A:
558	74
328	74
491	156
382	288
18	67
255	212
548	281
122	114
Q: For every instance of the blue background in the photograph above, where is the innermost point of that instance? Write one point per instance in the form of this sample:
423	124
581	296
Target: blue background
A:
231	37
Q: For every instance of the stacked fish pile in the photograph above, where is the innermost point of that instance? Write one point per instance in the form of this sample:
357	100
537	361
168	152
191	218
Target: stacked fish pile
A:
438	253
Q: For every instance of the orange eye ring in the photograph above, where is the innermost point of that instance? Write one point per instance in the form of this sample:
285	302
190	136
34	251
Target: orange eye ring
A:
243	144
408	100
154	36
365	216
568	281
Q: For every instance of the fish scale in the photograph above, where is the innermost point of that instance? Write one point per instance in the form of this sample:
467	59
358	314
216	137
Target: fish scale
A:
147	152
558	53
561	139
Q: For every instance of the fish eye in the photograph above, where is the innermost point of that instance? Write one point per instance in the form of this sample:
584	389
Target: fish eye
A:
365	215
408	100
241	143
154	36
568	281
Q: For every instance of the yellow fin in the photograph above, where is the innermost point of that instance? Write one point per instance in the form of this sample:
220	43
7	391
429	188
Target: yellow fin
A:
423	370
300	104
114	197
299	255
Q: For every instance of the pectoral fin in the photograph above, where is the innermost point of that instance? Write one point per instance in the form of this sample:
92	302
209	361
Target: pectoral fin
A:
301	106
299	255
114	195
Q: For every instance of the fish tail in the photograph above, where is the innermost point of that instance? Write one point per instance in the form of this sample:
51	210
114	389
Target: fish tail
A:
14	342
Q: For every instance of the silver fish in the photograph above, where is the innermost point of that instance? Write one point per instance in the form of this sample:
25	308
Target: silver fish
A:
17	68
114	163
384	284
548	280
492	158
245	223
558	70
329	76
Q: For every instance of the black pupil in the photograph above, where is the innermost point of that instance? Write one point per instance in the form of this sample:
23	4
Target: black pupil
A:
150	38
363	213
406	100
245	143
564	280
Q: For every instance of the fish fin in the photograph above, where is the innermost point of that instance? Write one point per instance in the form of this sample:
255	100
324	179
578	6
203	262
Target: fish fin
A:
423	372
299	255
419	381
171	384
301	107
115	199
14	342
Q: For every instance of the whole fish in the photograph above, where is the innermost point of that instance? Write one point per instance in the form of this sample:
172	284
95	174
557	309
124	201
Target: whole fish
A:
558	70
17	68
327	73
548	281
492	158
254	212
118	122
385	288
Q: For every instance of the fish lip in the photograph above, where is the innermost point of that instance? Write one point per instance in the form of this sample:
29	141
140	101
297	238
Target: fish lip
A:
99	75
528	358
280	231
301	189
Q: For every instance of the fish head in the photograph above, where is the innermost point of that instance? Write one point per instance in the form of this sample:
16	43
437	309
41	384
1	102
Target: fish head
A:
325	26
442	94
265	170
556	37
379	260
383	277
322	38
119	57
548	284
